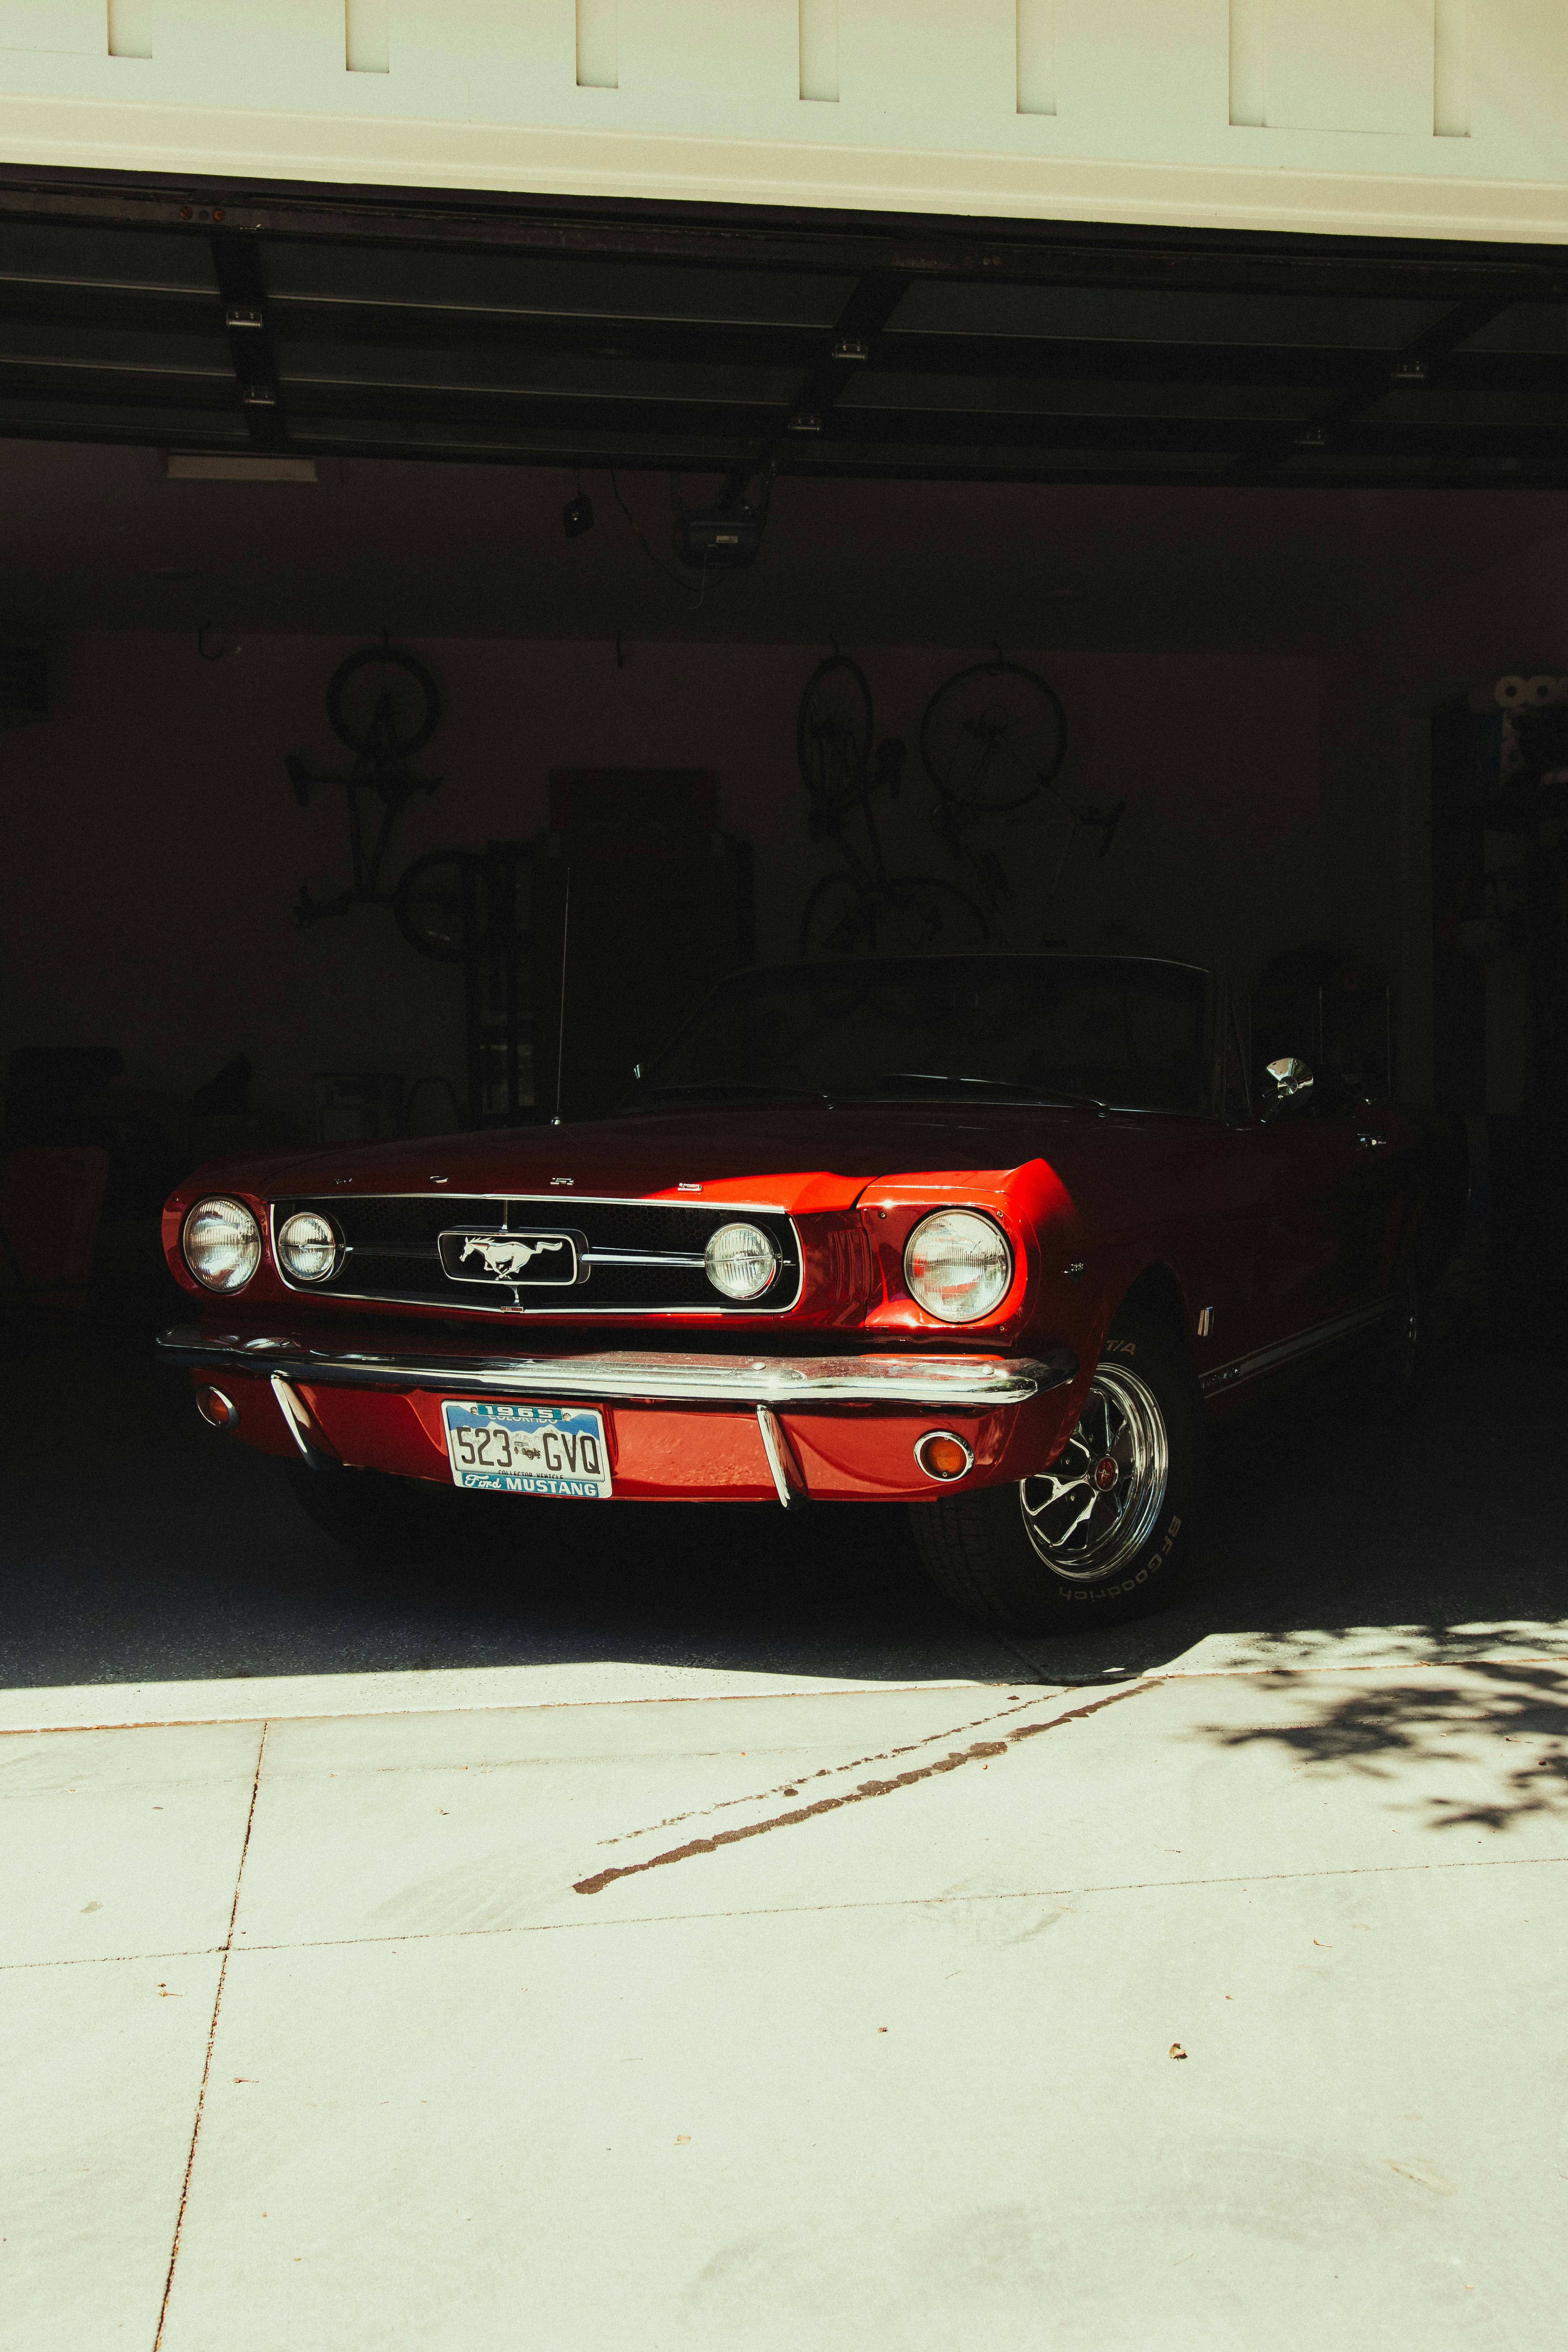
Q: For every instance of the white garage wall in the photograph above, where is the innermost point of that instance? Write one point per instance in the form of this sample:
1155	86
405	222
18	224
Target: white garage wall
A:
154	848
1426	118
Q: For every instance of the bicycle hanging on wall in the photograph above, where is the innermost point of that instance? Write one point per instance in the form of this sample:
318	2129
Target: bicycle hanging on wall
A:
385	706
859	908
993	740
454	905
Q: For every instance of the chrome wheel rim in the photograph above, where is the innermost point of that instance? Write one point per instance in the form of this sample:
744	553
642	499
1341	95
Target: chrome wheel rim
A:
1102	1496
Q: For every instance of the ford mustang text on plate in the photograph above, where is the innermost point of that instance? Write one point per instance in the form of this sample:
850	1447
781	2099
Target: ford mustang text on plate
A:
990	1237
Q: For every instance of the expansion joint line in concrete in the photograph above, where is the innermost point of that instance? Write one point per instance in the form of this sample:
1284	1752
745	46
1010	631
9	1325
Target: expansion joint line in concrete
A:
225	1948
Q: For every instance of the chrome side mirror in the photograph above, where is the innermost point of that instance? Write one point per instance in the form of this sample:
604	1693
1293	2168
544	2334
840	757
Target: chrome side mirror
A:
1290	1078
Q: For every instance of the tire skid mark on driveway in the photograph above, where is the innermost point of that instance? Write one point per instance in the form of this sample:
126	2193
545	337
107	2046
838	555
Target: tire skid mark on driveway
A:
979	1751
822	1772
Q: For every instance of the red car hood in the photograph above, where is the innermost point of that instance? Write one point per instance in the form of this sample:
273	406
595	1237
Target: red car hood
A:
790	1154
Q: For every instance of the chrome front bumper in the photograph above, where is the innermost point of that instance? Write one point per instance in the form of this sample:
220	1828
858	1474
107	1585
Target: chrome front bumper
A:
954	1382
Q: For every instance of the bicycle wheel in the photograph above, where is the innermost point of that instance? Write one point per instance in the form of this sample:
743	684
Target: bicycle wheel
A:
383	704
833	730
912	914
993	736
840	919
916	914
428	905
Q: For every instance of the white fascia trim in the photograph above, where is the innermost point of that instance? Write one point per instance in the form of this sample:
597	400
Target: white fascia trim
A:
359	151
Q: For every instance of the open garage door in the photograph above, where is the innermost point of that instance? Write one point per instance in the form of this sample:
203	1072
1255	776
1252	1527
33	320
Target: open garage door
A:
1205	488
731	342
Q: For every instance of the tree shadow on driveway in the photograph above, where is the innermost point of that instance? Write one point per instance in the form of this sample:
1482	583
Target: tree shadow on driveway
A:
1438	1737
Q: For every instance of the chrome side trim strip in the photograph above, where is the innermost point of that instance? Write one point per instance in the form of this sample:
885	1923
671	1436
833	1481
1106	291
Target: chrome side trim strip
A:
1302	1343
687	1259
788	1483
977	1383
300	1426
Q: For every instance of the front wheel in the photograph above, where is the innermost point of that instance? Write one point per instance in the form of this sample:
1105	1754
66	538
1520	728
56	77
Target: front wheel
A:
1098	1536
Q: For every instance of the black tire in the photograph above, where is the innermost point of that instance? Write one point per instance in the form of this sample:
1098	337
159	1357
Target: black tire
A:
371	1512
840	919
978	1548
430	904
993	736
911	914
396	734
833	732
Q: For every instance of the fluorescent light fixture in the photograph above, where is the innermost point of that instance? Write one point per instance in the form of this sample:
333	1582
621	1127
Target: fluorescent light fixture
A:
214	466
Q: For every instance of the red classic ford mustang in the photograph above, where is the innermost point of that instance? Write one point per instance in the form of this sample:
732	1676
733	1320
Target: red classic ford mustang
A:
990	1236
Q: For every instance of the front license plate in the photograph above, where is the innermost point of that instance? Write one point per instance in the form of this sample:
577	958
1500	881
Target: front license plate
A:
528	1449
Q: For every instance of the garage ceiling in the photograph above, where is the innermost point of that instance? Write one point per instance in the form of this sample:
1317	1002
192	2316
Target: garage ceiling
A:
822	344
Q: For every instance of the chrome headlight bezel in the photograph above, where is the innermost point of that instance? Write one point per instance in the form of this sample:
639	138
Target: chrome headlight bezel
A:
766	1254
989	1249
246	1248
331	1236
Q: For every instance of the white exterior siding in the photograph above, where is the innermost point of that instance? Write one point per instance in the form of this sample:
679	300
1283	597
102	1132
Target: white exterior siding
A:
1428	118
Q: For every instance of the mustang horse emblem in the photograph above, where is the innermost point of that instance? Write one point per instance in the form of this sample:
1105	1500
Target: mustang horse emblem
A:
502	1255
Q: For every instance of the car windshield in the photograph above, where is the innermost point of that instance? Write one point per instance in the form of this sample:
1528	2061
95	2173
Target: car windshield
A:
1118	1031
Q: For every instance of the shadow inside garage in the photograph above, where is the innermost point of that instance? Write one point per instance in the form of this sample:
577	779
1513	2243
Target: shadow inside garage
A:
141	1546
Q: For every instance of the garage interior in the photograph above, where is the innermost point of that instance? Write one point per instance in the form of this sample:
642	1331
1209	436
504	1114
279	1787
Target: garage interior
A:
1272	515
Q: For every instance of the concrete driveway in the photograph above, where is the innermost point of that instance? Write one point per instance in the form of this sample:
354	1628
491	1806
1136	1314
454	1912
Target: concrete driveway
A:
715	1943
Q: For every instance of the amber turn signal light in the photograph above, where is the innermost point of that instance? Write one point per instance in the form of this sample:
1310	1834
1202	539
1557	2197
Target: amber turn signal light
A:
943	1456
217	1409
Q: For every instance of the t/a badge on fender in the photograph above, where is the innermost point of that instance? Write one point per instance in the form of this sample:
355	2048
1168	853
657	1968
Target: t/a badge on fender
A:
528	1449
547	1260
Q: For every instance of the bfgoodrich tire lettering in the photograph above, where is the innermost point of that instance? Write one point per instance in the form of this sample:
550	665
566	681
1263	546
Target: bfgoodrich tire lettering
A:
1098	1536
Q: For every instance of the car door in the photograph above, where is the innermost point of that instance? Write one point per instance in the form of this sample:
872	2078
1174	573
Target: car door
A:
1330	1209
1231	1252
1301	1201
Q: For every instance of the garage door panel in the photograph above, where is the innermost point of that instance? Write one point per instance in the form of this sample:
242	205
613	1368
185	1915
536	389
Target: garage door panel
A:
1136	314
1089	398
1524	327
51	343
936	356
543	286
526	374
91	255
638	343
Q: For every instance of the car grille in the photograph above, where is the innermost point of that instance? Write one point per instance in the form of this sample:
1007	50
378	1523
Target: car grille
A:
637	1258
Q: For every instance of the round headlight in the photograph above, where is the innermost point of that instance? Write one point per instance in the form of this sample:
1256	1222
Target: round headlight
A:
958	1265
222	1245
307	1246
741	1261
